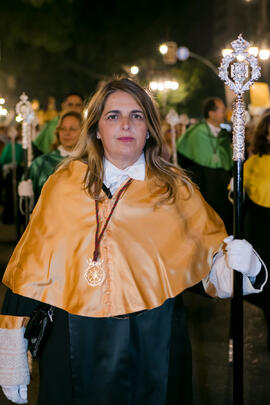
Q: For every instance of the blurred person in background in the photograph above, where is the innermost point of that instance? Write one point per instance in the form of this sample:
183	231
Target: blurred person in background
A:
45	139
205	151
67	135
11	166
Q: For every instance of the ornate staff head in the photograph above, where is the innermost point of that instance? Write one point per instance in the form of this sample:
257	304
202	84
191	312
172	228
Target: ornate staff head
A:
239	70
25	110
173	119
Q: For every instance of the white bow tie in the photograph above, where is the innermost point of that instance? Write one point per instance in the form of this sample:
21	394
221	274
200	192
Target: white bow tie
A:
114	177
134	172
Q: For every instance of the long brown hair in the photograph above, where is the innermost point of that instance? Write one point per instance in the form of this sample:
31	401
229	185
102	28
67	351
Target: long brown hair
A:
90	150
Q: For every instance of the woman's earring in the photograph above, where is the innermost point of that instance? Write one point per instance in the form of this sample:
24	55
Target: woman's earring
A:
147	135
98	136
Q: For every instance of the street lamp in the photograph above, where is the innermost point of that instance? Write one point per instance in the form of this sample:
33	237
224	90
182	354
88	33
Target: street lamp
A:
131	70
183	53
134	70
163	49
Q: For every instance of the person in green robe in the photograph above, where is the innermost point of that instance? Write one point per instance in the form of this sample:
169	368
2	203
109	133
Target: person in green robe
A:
204	150
43	142
9	164
67	135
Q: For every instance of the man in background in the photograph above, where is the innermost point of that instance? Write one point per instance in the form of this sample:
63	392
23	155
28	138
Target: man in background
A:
205	151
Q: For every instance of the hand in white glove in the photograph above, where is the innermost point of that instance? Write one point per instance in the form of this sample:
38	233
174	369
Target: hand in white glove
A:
25	188
242	257
16	393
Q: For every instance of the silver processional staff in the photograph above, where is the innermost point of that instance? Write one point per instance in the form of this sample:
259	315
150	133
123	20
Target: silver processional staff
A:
239	70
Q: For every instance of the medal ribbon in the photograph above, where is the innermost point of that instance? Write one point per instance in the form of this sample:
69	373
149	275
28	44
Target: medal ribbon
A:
97	236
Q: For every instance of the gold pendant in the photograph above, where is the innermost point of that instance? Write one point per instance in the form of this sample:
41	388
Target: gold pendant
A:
95	273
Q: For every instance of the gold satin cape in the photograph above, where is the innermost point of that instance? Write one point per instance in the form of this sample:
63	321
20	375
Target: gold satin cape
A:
150	252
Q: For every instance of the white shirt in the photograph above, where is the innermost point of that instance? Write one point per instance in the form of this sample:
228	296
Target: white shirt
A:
63	152
114	177
215	130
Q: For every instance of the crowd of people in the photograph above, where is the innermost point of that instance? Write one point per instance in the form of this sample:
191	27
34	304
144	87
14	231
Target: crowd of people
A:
118	232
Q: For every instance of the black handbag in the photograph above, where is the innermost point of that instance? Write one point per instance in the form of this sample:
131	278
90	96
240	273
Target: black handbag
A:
38	328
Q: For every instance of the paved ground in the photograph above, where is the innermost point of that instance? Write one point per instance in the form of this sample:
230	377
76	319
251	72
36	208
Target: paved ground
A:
209	325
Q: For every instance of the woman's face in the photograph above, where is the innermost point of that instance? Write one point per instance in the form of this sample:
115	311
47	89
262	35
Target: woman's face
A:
122	129
69	133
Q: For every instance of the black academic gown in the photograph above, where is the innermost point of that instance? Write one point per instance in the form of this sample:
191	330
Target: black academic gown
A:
142	358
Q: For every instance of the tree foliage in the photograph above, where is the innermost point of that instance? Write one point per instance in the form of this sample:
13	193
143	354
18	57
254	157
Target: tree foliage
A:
56	46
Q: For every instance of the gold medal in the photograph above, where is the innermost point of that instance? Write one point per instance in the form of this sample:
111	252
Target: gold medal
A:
95	273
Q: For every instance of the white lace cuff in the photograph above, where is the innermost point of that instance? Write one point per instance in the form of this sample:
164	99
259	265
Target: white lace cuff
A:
14	368
219	281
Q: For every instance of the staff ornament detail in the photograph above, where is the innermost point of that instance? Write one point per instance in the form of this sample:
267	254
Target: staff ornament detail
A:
239	70
173	119
25	111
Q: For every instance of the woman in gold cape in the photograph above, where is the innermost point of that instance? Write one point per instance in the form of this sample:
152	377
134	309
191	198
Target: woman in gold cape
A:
119	334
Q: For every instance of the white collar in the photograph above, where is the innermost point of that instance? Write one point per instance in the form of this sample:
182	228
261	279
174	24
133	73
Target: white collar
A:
114	177
63	152
215	130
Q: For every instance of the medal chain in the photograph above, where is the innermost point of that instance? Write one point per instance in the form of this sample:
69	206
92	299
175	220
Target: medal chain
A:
97	236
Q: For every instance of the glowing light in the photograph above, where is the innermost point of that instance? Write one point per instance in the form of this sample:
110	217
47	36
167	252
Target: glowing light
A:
153	85
160	86
3	111
134	70
163	49
174	85
264	54
226	52
2	100
182	53
253	50
241	57
18	118
166	85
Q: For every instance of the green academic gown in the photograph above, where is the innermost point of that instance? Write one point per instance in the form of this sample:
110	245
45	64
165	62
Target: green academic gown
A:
6	155
208	159
41	168
45	139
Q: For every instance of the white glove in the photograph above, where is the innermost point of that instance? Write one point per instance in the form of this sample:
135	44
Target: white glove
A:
16	393
241	256
14	370
25	188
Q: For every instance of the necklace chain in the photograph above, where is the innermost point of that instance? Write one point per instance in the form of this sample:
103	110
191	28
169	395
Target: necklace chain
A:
98	236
